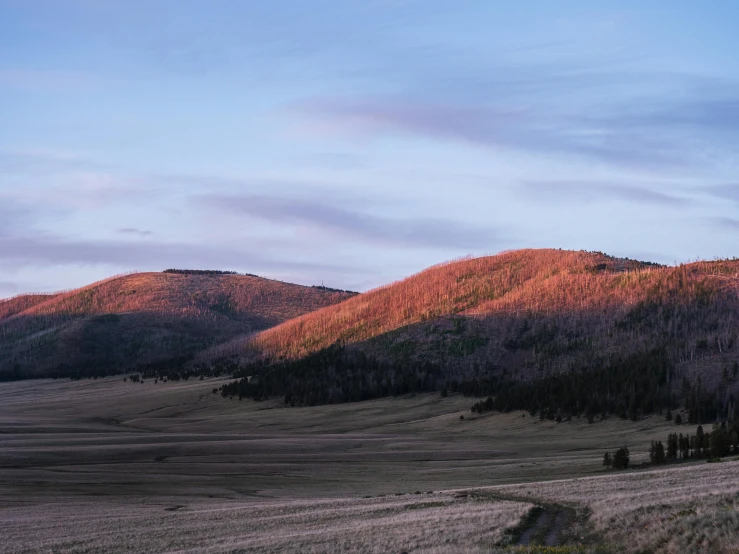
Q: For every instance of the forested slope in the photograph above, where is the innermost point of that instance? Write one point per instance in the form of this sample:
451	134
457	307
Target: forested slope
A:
143	318
518	317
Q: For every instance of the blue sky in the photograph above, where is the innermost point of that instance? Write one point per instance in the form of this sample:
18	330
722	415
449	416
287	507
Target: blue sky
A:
354	143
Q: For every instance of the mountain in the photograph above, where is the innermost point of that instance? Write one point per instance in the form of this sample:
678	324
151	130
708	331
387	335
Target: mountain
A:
529	314
143	318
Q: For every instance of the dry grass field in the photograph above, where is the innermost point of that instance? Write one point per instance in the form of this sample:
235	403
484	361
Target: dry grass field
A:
439	522
106	465
691	509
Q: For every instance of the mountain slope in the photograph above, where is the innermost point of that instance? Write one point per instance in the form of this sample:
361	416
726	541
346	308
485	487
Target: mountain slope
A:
21	303
143	318
529	313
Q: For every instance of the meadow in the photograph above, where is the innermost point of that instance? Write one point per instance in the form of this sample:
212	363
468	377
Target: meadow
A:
691	509
106	465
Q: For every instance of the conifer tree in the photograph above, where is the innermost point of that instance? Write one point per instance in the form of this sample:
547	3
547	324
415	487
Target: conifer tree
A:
660	453
672	446
621	458
607	461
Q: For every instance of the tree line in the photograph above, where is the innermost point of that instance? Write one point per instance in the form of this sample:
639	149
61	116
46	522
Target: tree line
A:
332	375
203	272
628	387
722	440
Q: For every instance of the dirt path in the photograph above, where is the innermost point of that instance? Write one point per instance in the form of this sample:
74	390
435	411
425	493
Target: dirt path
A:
535	522
545	525
561	521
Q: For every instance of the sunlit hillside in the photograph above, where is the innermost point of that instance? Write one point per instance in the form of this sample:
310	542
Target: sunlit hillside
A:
21	303
143	318
528	311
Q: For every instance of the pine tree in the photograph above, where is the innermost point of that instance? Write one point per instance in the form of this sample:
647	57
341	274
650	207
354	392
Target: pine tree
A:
699	441
672	446
684	447
607	461
621	458
719	441
659	453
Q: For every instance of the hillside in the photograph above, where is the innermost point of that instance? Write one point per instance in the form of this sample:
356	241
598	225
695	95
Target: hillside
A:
530	314
142	318
21	303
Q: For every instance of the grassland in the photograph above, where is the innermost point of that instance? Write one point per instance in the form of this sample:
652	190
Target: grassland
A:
161	438
438	522
103	465
691	509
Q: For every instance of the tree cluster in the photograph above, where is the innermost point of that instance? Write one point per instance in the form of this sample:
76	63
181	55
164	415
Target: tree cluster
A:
332	375
618	460
722	440
629	387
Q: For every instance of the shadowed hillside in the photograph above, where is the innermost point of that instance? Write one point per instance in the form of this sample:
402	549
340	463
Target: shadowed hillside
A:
143	318
524	315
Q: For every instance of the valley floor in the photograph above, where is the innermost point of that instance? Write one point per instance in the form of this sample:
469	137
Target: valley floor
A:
107	465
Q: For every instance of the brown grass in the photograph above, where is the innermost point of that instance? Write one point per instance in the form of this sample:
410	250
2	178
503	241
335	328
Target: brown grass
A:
21	303
108	466
438	522
196	296
692	509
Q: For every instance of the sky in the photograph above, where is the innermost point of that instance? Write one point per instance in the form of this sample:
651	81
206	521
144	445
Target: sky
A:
355	143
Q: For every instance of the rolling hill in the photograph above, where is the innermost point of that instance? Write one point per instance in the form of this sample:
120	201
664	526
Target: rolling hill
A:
143	318
529	314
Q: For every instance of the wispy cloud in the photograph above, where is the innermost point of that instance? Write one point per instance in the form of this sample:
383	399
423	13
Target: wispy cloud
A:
327	217
727	223
68	183
714	113
586	191
134	231
519	129
12	214
51	250
726	191
635	128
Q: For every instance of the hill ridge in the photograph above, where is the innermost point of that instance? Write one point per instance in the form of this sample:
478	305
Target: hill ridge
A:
441	302
142	317
529	312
